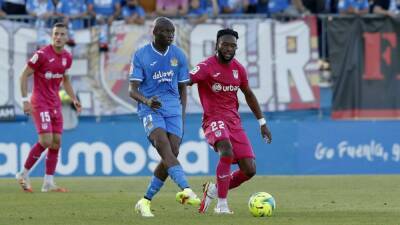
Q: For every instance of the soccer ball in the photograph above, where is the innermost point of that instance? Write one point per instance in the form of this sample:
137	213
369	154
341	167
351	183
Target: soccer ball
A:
261	204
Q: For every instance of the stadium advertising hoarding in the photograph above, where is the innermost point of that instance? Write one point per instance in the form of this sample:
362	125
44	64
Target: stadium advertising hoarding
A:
265	47
304	147
364	55
347	147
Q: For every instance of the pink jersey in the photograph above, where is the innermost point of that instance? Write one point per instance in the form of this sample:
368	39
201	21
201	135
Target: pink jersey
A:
218	85
172	4
50	68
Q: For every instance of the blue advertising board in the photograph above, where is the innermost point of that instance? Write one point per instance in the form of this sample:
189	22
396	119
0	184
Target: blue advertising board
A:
120	148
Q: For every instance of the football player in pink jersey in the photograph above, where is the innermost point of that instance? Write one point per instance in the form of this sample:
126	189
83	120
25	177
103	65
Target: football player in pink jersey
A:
218	79
49	66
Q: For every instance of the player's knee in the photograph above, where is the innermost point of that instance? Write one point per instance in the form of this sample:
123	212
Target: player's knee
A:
46	143
160	143
224	148
175	151
55	146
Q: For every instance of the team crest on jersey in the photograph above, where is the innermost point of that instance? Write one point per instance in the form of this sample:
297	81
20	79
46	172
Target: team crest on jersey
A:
217	133
45	126
148	122
174	62
64	61
235	74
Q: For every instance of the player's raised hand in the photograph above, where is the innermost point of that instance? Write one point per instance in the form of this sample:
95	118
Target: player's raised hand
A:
266	133
77	105
27	108
153	103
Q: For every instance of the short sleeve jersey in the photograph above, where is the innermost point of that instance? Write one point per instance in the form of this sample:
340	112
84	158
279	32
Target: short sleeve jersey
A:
130	11
39	7
159	75
104	7
73	8
218	85
356	4
49	70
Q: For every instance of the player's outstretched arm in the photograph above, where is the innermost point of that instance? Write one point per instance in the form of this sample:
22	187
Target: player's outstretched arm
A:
134	93
28	71
252	102
70	91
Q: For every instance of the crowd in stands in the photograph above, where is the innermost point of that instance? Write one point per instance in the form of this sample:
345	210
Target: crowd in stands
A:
104	12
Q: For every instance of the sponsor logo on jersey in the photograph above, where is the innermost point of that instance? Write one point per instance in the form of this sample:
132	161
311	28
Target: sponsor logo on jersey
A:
163	76
195	70
217	87
34	58
51	60
153	63
235	74
174	62
49	75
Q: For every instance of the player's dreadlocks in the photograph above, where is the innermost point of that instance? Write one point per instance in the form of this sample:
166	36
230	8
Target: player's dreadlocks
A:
226	31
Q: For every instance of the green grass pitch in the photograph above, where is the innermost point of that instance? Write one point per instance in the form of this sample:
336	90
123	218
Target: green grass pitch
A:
301	200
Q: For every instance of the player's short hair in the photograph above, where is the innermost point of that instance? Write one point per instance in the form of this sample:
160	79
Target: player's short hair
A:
161	19
227	31
59	24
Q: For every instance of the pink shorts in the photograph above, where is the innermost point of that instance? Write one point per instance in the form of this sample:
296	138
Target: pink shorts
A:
217	130
48	120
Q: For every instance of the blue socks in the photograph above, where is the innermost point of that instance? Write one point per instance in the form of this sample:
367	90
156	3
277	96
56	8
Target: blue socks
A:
178	176
154	186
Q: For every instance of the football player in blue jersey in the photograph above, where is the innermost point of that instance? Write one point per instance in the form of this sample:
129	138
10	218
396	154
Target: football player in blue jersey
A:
158	77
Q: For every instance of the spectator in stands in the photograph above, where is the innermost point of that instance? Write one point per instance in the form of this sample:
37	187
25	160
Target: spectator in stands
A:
105	12
294	7
233	6
385	7
315	6
2	13
357	7
197	14
41	10
331	6
262	7
211	7
395	6
72	12
252	6
14	7
133	13
149	6
172	8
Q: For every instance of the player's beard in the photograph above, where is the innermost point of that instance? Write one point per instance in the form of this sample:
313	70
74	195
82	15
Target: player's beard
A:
222	57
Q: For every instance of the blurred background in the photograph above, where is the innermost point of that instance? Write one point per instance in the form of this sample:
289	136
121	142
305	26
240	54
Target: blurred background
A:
326	74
